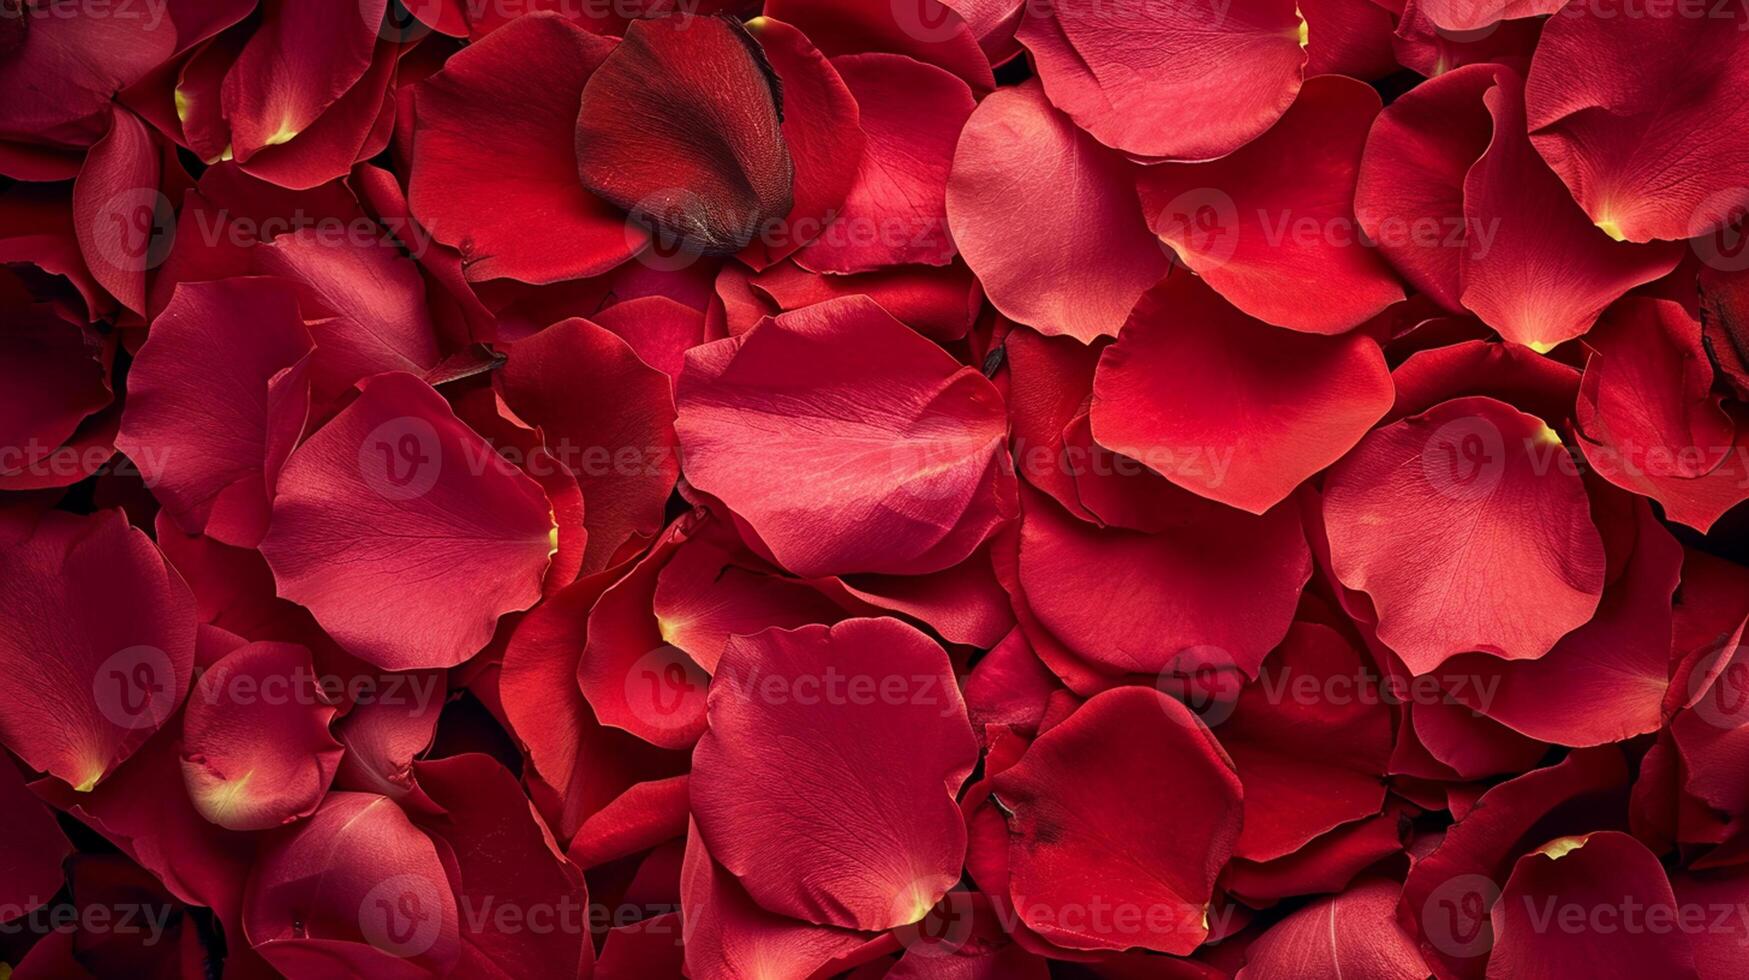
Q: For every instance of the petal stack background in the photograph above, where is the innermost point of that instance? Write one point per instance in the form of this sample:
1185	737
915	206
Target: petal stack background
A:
958	489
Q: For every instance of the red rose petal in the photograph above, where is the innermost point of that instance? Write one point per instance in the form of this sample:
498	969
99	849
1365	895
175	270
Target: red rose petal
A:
1600	876
1455	486
1271	226
725	929
1308	764
881	840
615	433
479	174
1075	259
896	210
1636	118
821	126
1219	579
300	60
101	629
1210	82
1648	420
642	817
365	305
1351	934
117	209
532	906
256	752
1448	893
356	888
680	126
404	533
1605	681
1102	807
1228	407
1548	273
30	860
912	488
207	448
925	30
938	302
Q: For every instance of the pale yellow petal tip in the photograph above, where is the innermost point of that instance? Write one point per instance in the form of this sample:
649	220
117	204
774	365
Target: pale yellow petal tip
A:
1543	346
757	24
284	134
1548	436
227	155
553	541
5	971
1205	918
915	901
90	783
1612	229
1305	30
181	106
1560	847
668	628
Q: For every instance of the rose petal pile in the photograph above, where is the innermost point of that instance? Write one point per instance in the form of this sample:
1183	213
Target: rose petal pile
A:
942	489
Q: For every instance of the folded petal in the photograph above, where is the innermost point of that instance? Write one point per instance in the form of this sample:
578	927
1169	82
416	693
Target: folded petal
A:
822	128
404	533
680	126
301	59
1505	557
1547	273
1648	420
1228	407
502	187
119	215
198	417
615	434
